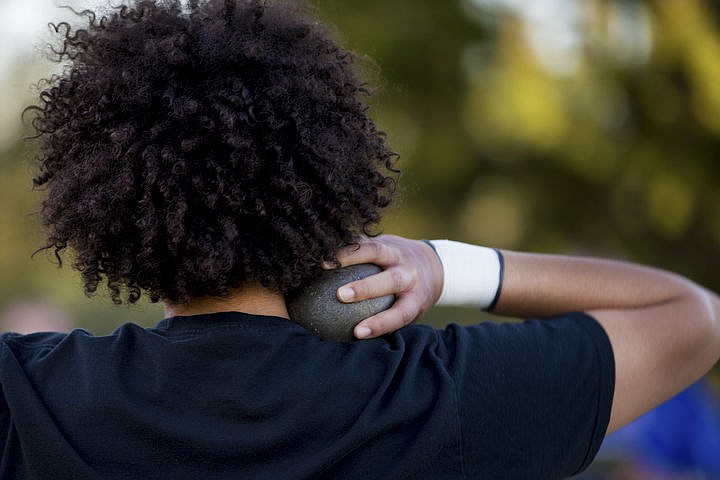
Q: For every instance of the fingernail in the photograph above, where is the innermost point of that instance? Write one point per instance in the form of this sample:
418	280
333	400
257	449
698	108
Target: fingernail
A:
363	332
346	294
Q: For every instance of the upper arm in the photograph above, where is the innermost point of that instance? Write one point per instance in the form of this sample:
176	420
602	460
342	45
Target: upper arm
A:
659	350
533	396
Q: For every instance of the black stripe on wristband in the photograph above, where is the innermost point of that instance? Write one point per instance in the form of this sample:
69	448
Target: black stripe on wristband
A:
431	245
491	307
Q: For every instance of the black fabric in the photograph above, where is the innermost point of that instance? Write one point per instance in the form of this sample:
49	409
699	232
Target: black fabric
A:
235	396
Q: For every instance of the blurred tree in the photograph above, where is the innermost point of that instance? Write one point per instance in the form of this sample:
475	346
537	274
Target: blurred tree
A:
604	144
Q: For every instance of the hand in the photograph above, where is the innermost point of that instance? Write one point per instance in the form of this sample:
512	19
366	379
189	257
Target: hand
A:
411	271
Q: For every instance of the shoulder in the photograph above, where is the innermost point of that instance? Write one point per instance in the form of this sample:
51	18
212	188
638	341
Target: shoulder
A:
35	345
43	345
545	356
568	334
521	383
32	341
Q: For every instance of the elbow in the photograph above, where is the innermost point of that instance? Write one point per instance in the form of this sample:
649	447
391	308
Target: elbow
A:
712	305
703	308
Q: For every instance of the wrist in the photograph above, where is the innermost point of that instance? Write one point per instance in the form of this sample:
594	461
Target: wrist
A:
472	275
434	274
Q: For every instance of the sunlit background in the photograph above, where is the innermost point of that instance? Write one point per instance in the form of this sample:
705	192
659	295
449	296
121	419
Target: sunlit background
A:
559	126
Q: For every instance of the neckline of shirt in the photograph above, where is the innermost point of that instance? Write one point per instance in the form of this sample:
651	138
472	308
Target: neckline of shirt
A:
231	318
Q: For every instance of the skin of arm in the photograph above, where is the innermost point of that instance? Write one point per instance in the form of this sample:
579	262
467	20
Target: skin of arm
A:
664	329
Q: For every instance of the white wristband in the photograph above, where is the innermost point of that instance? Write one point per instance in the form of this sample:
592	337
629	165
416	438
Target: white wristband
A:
472	274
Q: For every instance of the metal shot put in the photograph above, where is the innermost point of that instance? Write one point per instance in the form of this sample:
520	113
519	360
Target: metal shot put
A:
317	308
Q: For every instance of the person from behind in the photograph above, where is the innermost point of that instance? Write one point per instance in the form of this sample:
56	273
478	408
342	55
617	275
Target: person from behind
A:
212	156
34	315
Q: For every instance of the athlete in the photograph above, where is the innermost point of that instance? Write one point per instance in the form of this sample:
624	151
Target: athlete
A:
212	155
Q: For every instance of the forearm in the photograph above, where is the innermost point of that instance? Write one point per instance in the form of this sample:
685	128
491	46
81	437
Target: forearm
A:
656	301
665	329
536	285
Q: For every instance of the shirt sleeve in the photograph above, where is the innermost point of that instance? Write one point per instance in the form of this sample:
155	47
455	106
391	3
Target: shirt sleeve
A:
534	398
5	419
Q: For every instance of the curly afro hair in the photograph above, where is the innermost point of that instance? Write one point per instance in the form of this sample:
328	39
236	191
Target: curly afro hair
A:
191	148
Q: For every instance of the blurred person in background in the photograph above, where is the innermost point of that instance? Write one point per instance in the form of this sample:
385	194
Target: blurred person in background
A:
678	440
212	157
34	315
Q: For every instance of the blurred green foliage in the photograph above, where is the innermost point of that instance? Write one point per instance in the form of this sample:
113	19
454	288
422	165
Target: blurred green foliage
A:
610	151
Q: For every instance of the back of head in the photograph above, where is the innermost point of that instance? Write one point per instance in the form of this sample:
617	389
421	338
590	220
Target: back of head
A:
190	149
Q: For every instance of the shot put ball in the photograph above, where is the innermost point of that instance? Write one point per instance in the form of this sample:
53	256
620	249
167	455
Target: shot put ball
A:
317	308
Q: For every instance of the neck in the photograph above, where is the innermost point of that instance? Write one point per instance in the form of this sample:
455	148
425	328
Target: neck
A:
253	299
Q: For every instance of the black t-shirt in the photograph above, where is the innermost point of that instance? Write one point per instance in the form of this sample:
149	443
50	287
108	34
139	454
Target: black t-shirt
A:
237	396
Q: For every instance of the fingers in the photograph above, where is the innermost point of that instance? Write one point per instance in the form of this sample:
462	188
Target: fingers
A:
402	313
411	271
369	251
387	282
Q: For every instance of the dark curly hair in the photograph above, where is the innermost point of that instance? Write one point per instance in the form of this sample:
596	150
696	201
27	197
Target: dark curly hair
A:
188	149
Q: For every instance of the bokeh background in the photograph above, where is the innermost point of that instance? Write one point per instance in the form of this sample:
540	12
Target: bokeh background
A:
557	126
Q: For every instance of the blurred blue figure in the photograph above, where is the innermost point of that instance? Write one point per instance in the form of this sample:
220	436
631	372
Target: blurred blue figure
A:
680	439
